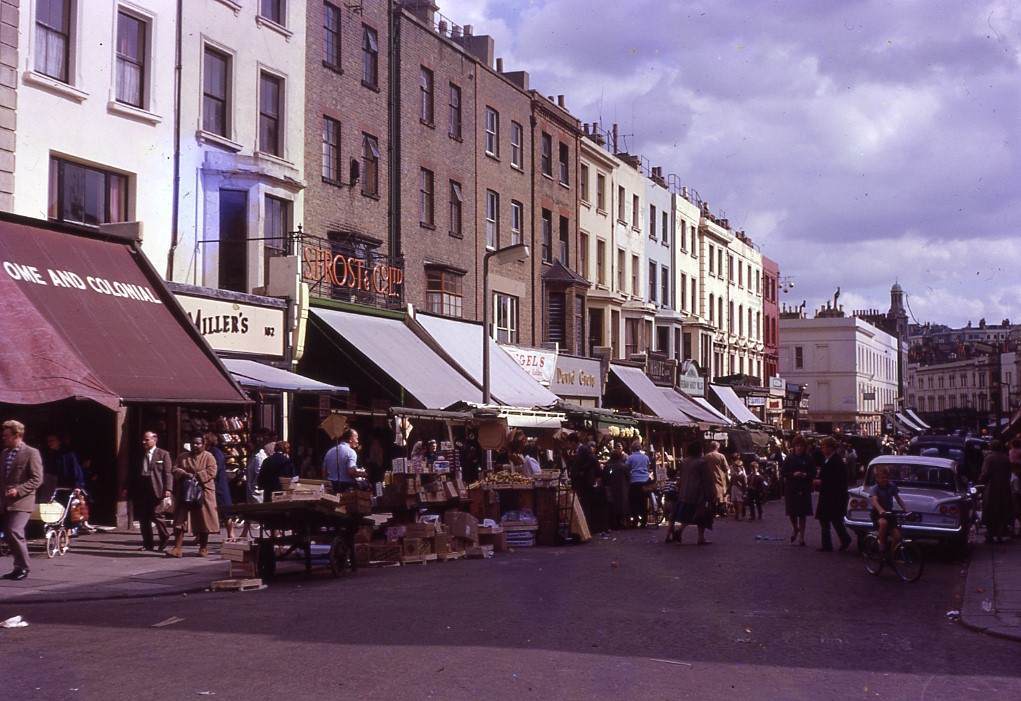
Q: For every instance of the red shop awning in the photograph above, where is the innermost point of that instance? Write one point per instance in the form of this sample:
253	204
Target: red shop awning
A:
84	315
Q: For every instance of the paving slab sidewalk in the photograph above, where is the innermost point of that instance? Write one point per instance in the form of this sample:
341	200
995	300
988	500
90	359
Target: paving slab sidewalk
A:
109	566
992	597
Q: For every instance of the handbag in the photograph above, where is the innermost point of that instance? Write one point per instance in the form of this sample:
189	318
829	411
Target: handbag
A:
165	506
192	491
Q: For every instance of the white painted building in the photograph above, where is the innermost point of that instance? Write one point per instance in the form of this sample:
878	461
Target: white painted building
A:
744	309
713	241
849	369
660	290
630	268
697	333
95	103
242	141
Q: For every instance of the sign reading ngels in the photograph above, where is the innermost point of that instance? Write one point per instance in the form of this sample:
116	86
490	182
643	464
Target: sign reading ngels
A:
540	364
234	327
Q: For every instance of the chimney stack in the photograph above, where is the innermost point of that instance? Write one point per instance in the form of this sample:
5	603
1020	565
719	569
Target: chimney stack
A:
455	31
468	30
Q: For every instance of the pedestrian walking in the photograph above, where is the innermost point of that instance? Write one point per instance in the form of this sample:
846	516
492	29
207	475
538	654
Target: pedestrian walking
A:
738	487
997	509
583	469
832	486
224	501
259	449
152	487
202	514
21	473
341	463
798	472
696	495
638	468
618	481
718	463
755	493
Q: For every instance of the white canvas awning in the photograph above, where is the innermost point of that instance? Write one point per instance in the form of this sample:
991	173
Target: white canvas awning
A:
649	394
908	423
511	384
916	419
704	403
695	411
408	360
253	375
734	405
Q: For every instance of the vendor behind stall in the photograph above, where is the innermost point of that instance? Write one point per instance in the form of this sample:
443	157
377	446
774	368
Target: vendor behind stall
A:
341	463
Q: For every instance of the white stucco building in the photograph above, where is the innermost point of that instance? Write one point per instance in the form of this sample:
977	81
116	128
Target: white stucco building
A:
95	104
744	309
660	290
242	141
849	369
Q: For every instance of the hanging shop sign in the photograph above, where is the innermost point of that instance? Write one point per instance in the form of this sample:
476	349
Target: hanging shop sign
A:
689	381
777	386
351	273
754	401
774	405
540	364
236	327
576	377
660	369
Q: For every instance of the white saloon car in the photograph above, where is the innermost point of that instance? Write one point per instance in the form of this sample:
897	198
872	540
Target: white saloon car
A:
931	487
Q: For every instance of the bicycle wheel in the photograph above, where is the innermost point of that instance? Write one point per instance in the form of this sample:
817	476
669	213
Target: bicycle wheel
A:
872	555
908	562
64	540
52	543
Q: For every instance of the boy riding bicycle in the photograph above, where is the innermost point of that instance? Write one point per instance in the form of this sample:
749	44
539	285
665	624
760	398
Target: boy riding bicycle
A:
882	496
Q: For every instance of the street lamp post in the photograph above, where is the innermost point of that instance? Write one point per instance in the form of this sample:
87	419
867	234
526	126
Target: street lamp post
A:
518	253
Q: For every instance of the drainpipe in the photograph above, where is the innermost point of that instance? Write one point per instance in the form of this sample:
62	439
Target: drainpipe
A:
538	291
175	206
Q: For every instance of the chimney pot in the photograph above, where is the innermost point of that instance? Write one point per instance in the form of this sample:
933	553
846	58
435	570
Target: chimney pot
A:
468	30
499	65
443	27
560	100
455	31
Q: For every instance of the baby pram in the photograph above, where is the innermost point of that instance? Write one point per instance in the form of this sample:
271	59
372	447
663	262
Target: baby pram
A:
63	513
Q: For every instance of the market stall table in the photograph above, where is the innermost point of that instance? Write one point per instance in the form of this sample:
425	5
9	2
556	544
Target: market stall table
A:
299	525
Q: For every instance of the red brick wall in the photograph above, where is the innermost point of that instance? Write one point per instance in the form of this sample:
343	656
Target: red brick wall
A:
770	316
359	109
510	183
431	147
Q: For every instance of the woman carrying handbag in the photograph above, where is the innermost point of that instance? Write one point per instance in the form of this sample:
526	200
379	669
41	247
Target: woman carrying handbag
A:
195	476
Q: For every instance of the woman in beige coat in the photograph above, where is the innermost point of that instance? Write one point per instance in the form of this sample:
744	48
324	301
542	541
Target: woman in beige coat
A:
203	515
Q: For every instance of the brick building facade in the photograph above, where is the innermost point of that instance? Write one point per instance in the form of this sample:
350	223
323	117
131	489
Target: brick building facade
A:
346	120
770	317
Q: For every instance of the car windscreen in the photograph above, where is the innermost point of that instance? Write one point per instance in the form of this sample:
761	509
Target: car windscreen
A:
955	454
917	476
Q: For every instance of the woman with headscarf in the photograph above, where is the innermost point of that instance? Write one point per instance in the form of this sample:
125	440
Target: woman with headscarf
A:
997	510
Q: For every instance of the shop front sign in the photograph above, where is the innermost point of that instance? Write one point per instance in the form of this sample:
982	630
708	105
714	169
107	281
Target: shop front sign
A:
236	327
777	386
540	364
660	369
774	406
577	377
689	381
343	271
754	401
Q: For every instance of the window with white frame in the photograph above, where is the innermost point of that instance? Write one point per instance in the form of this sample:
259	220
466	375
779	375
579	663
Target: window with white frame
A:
454	127
370	165
426	211
84	194
425	92
370	57
444	292
546	154
132	45
492	142
517	222
456	208
492	219
331	150
583	177
274	11
505	312
331	36
216	78
517	137
271	102
53	36
565	171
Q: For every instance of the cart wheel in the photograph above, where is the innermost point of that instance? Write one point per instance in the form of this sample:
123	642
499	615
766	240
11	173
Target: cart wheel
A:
340	556
52	543
267	559
63	540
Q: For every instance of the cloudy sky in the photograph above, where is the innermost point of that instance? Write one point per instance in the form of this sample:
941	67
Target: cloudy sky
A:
858	142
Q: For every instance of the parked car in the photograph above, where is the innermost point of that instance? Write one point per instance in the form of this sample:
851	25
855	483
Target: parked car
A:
966	452
932	487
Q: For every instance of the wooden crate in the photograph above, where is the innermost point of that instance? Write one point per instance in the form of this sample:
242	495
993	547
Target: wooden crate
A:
251	584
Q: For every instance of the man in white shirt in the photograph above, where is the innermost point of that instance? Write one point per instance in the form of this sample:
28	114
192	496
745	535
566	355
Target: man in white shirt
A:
341	463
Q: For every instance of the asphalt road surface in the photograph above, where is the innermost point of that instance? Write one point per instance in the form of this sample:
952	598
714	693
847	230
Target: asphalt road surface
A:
627	618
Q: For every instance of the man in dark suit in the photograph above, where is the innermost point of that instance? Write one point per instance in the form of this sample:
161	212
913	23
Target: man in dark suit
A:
153	483
832	486
21	473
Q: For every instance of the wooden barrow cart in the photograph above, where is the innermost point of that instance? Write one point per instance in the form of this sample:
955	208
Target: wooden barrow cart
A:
298	525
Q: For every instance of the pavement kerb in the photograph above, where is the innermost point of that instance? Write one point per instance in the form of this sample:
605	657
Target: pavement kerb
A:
981	577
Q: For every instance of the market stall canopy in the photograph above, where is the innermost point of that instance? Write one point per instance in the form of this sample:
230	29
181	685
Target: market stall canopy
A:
908	423
397	351
704	403
649	394
511	384
86	316
734	404
687	406
915	419
253	375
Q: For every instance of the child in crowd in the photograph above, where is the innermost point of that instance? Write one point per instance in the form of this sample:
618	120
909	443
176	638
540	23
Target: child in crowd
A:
756	492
